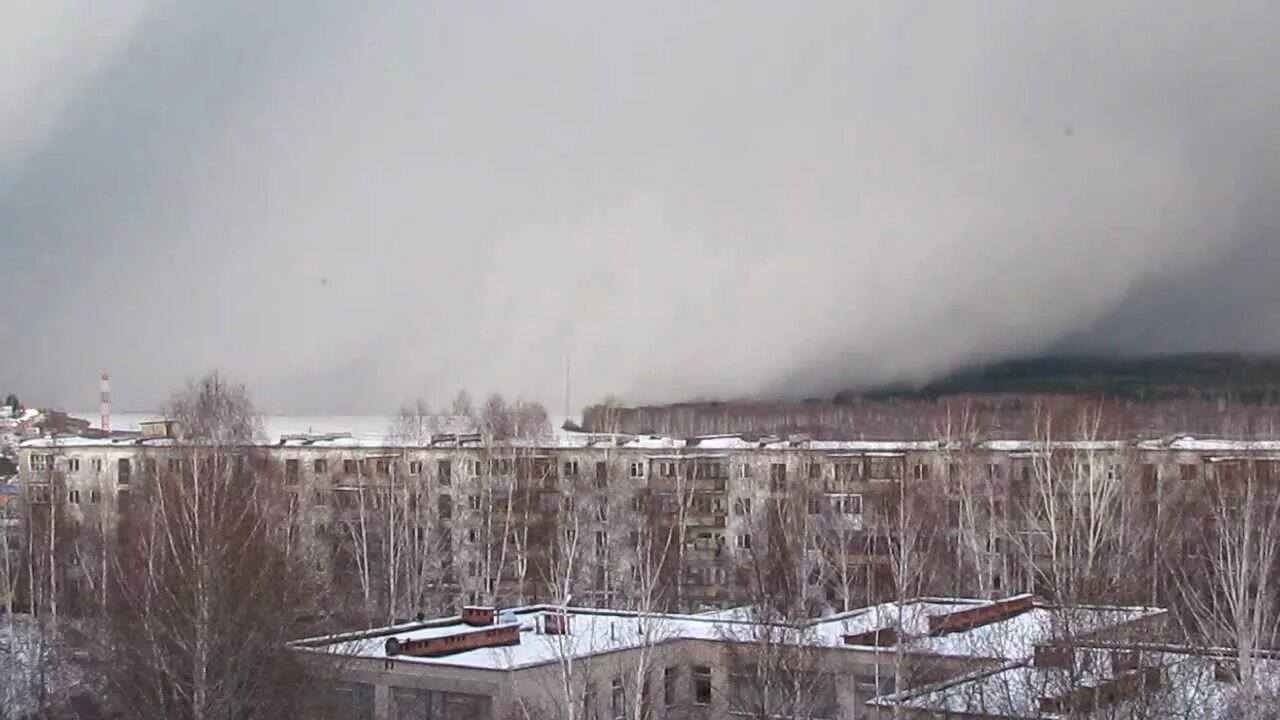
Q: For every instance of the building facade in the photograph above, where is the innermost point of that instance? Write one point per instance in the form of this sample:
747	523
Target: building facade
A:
446	520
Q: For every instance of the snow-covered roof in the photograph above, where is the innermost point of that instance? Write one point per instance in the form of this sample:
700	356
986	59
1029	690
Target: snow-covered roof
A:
1075	445
1187	687
373	432
598	631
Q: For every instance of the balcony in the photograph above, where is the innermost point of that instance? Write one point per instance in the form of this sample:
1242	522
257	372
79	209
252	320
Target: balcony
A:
710	519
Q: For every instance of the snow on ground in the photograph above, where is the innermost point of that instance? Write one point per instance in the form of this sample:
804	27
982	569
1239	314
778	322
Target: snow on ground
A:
34	664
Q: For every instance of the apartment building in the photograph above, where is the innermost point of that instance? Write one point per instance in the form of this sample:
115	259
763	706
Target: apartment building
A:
557	661
498	522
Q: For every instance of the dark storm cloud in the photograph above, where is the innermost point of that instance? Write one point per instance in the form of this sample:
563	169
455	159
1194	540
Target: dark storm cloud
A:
347	208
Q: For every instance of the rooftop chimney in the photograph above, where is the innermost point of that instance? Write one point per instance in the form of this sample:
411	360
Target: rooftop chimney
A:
982	615
104	402
556	623
496	636
880	637
477	615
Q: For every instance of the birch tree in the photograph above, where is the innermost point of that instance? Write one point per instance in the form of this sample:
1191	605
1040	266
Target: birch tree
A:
1226	582
201	600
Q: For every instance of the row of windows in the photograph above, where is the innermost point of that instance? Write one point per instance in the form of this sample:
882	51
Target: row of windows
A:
872	467
877	468
40	494
43	462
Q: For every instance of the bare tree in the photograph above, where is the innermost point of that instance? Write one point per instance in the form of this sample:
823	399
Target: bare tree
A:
774	659
201	600
1226	581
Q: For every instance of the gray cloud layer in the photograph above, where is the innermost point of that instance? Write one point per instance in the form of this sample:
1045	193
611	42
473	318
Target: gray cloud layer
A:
347	208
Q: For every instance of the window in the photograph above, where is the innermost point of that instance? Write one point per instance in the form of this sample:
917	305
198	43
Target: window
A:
744	691
742	506
291	470
885	467
415	467
473	501
667	469
41	462
712	469
570	468
471	535
349	467
847	504
602	474
743	541
475	467
744	471
444	507
920	471
1113	472
93	497
602	538
73	497
636	504
123	471
636	470
815	470
73	464
701	685
320	499
444	472
1150	480
589	702
96	464
669	677
778	477
617	700
320	466
602	513
175	465
993	471
849	471
382	466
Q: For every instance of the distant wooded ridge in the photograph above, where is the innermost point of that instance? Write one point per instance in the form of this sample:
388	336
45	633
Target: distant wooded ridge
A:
1218	394
1239	377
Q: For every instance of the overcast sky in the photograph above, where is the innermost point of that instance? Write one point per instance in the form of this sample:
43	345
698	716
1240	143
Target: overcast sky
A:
350	205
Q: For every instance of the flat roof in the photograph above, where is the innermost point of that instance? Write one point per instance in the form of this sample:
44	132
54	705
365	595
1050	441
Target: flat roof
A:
594	632
1187	686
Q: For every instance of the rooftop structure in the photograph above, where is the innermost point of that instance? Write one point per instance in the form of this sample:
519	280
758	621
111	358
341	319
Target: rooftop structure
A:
1100	680
505	653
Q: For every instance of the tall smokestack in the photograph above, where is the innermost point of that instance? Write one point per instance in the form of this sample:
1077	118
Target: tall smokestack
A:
104	398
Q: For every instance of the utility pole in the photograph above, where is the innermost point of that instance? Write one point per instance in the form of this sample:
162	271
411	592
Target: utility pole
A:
567	385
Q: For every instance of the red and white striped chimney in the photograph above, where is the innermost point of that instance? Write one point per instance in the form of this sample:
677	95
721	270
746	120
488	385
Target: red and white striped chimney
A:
104	398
